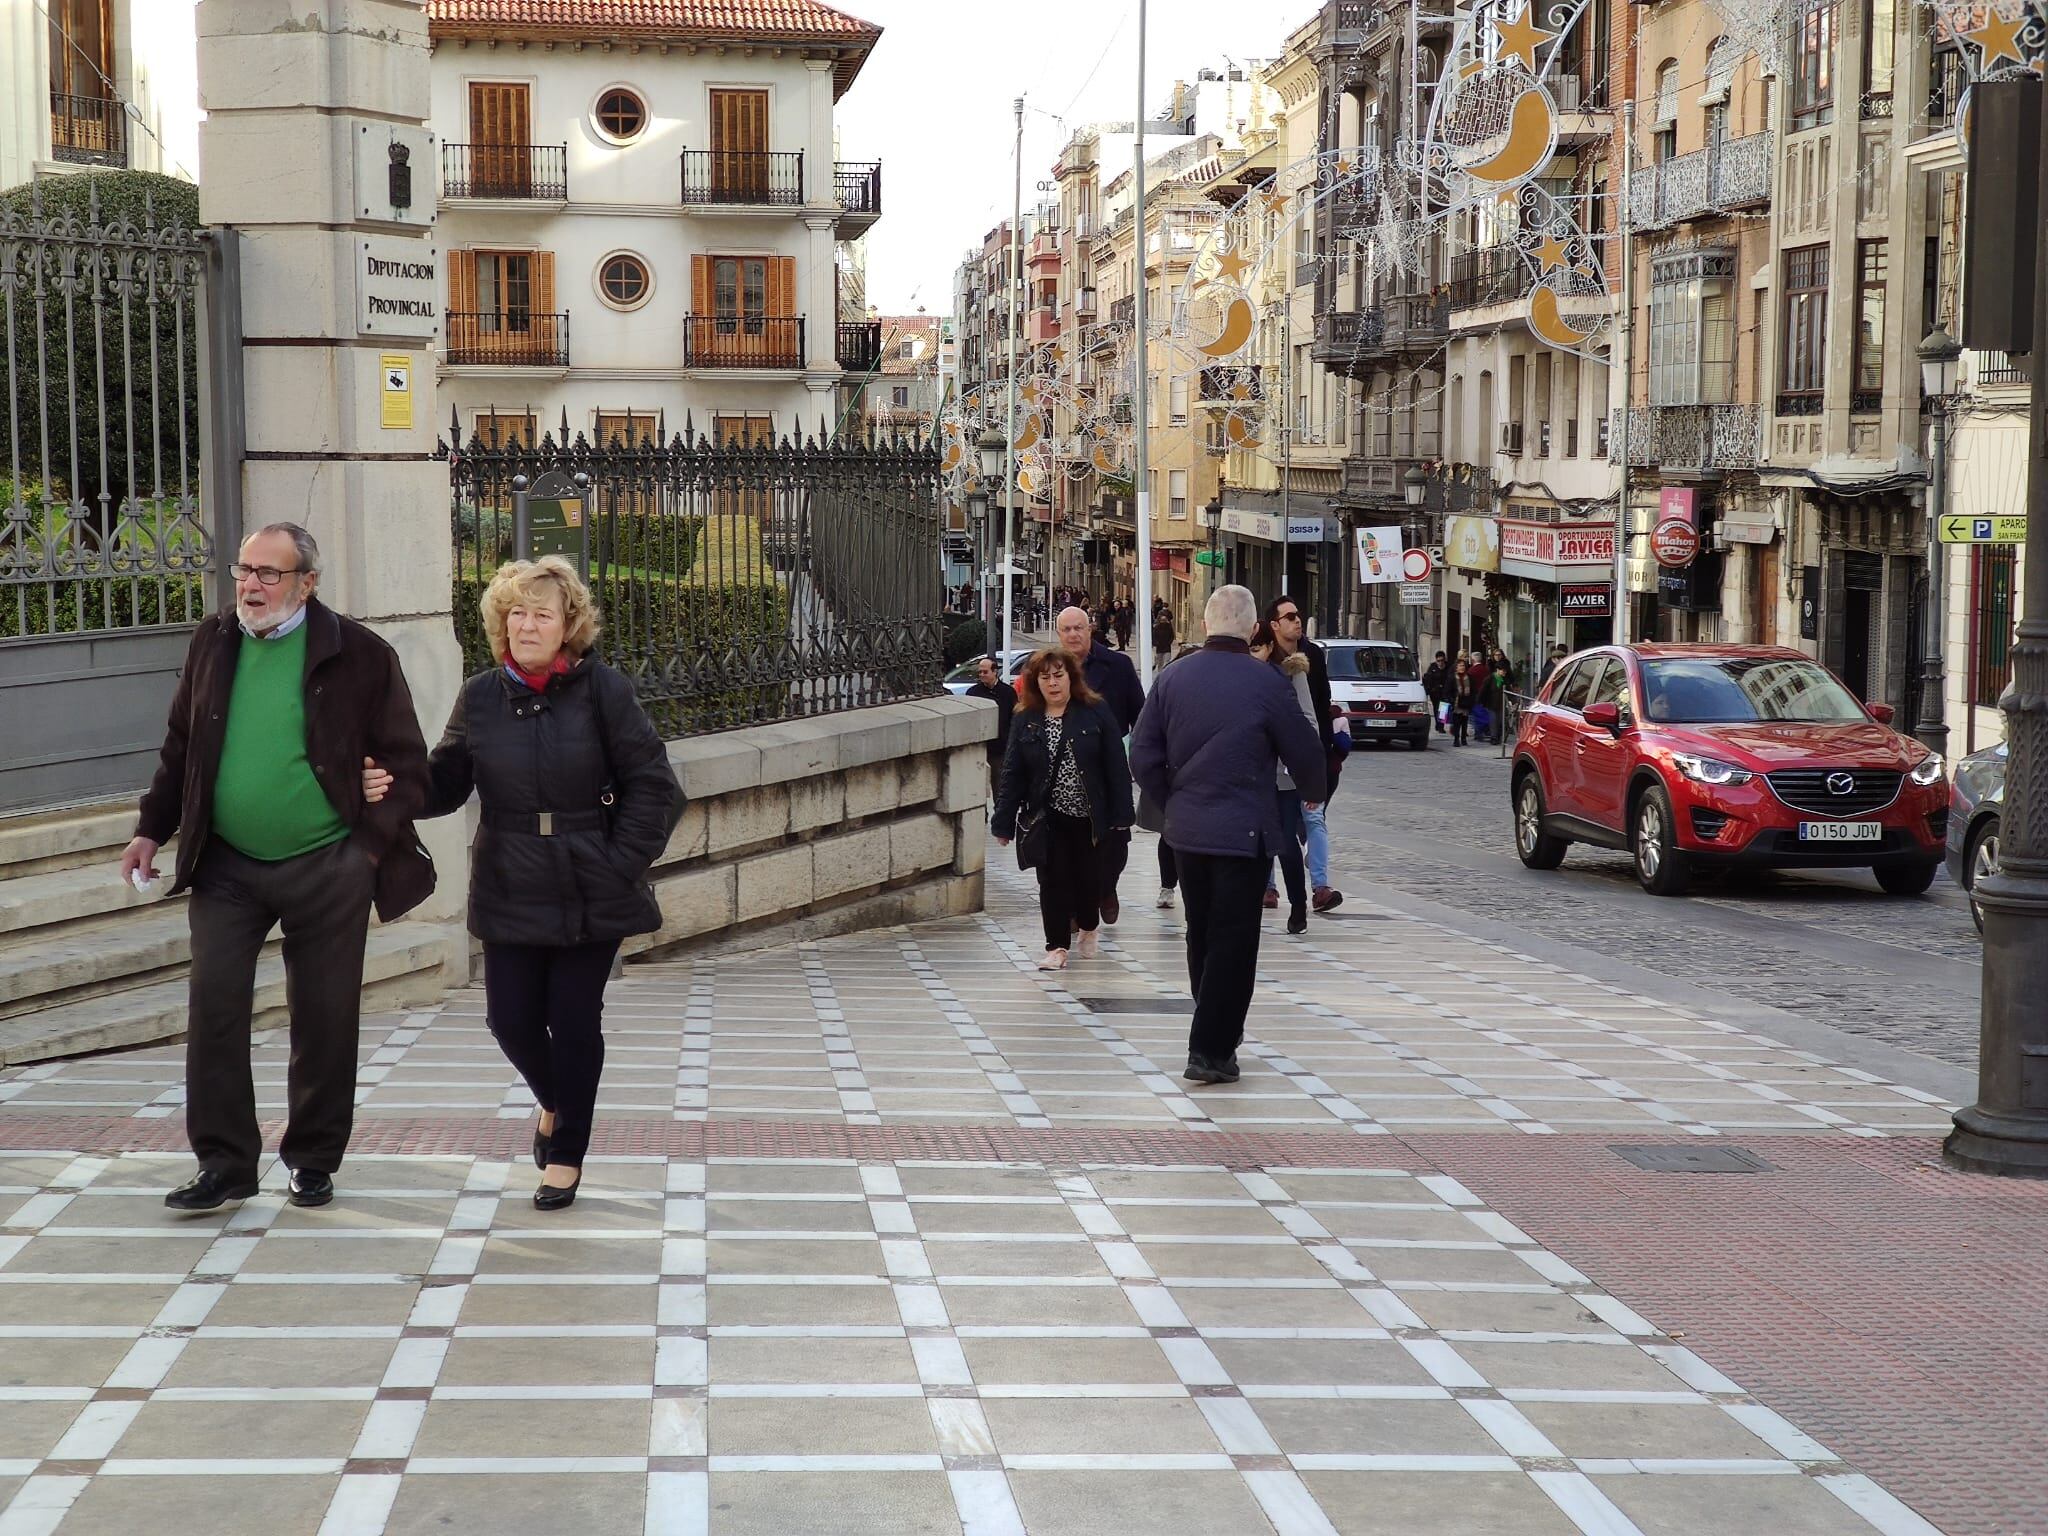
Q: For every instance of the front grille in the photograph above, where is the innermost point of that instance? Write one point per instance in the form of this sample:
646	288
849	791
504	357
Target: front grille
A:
1708	825
1807	789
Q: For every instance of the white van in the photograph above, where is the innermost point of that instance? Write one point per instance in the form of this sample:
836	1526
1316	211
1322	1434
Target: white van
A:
1377	685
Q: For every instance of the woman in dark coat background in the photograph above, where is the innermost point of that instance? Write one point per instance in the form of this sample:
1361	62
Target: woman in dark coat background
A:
1066	761
578	802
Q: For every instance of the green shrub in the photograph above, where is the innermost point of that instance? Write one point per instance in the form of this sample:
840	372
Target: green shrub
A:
965	641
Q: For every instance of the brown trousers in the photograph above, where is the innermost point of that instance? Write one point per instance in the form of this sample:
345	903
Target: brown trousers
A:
322	901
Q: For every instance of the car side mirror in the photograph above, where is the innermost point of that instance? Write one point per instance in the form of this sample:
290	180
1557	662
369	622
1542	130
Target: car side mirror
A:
1881	713
1604	716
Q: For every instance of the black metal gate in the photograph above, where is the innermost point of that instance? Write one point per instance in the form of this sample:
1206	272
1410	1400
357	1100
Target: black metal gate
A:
105	556
738	583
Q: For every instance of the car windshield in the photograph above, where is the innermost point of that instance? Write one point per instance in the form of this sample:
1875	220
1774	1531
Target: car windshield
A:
1371	663
1710	690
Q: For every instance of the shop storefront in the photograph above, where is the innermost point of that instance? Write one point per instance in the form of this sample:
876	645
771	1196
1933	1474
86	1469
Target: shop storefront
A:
1259	545
1544	559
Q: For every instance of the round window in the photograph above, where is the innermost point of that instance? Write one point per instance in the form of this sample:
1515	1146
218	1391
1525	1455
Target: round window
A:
623	280
621	113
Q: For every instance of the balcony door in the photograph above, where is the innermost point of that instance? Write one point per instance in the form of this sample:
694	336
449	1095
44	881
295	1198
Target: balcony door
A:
739	146
745	311
501	306
500	133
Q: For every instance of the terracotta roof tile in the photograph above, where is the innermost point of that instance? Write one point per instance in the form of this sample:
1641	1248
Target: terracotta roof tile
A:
802	20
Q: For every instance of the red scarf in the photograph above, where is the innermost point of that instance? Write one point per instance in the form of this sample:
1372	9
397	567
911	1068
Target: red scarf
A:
538	681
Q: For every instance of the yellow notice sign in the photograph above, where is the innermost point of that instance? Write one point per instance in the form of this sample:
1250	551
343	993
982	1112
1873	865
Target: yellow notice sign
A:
396	371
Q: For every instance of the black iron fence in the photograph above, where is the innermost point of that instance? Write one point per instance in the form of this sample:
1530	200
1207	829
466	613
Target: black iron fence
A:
538	171
507	338
743	341
752	177
859	185
860	345
738	583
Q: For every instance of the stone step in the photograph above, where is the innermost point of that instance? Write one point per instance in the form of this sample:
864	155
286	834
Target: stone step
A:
47	967
68	896
406	963
66	839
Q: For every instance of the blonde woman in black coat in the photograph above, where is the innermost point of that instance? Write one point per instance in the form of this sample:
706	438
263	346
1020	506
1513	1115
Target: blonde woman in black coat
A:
578	801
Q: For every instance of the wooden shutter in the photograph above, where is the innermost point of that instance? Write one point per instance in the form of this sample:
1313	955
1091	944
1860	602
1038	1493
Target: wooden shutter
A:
500	128
739	146
700	332
462	301
782	287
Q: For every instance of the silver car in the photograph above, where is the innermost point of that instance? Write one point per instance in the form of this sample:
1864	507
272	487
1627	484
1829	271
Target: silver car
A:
1976	799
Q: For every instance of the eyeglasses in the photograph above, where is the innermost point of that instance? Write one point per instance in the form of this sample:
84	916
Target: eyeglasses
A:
1282	618
269	575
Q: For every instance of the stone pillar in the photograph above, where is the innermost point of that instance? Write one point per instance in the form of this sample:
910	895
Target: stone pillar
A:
291	104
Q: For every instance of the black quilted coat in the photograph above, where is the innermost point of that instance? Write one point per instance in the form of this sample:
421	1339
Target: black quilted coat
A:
560	752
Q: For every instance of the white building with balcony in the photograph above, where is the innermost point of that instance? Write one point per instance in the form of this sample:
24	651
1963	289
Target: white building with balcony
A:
96	83
640	218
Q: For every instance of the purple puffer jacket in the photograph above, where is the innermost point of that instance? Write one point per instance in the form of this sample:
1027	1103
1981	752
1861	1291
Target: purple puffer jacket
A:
1213	730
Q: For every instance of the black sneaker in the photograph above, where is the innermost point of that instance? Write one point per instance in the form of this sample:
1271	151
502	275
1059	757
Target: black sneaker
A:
1200	1069
1297	918
311	1187
208	1190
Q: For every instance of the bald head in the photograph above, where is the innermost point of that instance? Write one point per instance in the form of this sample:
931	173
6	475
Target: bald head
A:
1231	611
1076	630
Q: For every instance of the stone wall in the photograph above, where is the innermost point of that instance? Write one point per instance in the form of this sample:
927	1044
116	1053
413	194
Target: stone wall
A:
811	827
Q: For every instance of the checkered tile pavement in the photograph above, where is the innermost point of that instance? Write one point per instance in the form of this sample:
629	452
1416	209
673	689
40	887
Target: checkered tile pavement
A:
1207	1337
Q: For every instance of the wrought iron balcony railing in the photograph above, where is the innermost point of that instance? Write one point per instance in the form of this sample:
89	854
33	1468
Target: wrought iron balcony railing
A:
1490	275
860	345
1416	321
88	130
743	341
538	171
859	185
1693	437
1124	311
503	339
1735	173
744	177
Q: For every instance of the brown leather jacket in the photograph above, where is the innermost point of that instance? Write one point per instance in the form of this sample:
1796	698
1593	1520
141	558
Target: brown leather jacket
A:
357	706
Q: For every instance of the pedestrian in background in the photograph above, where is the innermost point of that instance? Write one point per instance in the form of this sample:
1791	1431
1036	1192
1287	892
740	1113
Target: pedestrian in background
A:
1557	656
988	684
279	702
1464	698
1162	630
1216	727
578	801
1436	687
1290	637
1066	789
1293	830
1111	675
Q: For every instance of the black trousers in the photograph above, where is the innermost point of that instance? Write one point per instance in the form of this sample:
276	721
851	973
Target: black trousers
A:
322	901
546	1007
1461	721
1221	894
1068	895
1293	832
1111	855
1169	872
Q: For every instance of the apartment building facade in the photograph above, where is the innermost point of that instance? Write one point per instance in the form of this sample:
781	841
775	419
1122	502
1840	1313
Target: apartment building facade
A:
82	86
639	222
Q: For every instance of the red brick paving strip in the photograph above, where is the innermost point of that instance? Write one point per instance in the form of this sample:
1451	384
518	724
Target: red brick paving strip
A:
1892	1307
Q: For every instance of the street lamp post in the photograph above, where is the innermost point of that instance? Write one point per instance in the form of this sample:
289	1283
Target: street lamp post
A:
1939	353
977	514
1212	519
1414	484
990	452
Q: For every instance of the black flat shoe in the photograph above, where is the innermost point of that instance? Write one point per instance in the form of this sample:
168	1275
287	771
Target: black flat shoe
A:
1202	1070
540	1149
208	1190
311	1187
549	1198
1297	919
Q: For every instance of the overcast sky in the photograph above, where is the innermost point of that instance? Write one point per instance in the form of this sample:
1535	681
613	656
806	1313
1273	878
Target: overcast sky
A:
933	103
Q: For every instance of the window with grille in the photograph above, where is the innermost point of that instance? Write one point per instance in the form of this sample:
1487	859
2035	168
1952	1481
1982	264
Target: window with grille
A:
504	289
1692	327
1805	338
1812	64
1872	266
1666	141
1992	567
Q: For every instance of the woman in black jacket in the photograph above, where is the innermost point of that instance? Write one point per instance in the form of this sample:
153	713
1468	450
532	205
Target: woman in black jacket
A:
578	802
1066	763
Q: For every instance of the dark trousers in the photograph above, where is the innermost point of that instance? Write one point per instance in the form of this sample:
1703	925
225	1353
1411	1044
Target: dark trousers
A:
1169	871
1111	855
1293	832
1221	894
1067	889
1461	721
546	1006
322	901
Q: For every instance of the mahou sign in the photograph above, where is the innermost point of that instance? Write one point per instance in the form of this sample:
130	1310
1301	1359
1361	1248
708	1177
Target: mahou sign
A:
1674	543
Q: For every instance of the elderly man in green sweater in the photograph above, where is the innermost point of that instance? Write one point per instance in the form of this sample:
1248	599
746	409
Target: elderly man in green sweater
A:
278	707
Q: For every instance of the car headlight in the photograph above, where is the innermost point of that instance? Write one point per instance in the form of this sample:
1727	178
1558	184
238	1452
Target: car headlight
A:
1710	770
1928	769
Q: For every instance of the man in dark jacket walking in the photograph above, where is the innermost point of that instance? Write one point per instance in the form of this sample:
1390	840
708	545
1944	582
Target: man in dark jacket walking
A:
1217	725
1112	675
988	684
1436	687
279	704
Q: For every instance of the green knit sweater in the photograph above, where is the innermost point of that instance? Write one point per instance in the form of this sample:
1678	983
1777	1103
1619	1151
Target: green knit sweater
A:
266	802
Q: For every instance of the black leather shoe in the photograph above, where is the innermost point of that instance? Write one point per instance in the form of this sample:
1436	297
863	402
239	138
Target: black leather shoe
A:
540	1149
311	1187
1200	1069
1229	1068
1297	919
1111	908
208	1190
549	1198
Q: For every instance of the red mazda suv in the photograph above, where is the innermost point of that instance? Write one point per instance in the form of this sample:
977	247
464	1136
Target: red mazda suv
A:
1698	755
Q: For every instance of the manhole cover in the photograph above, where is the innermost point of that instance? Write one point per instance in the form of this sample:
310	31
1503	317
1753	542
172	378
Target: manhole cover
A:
1680	1159
1178	1005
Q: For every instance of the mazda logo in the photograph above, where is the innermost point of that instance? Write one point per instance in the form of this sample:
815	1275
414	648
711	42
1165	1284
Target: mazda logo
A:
1841	783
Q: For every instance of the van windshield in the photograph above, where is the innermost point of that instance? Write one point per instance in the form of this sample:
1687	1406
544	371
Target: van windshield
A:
1371	664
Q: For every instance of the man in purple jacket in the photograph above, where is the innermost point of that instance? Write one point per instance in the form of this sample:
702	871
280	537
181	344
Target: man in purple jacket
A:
1216	725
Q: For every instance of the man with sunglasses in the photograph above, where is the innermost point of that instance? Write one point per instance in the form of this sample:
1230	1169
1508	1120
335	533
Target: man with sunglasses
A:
1290	634
279	705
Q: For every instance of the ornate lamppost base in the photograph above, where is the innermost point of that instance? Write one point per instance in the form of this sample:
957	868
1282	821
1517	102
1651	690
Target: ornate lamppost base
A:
1986	1142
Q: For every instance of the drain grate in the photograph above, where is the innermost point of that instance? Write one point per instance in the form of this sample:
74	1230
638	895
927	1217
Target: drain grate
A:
1174	1005
1680	1159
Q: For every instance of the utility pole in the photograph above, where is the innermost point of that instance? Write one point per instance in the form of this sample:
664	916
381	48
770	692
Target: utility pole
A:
1141	473
1624	517
1286	441
2006	1130
1012	280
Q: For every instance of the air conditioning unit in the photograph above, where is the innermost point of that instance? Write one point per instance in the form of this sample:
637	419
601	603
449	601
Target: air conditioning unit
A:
1511	438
